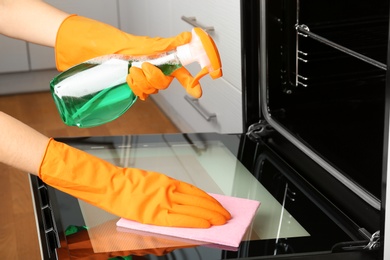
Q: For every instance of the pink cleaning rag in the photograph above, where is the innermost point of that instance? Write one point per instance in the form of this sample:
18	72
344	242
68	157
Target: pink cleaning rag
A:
230	234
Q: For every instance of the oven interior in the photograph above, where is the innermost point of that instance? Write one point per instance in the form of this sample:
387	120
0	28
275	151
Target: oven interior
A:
326	71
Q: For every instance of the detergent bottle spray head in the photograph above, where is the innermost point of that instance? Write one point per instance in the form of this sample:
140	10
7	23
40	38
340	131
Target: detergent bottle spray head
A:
203	50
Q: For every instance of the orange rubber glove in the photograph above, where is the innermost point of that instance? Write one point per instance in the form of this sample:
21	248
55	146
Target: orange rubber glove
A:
80	39
144	196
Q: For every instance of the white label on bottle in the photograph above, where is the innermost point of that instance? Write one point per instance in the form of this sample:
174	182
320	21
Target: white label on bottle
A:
106	75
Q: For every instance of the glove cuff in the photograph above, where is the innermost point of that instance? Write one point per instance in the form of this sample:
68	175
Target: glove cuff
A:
43	158
75	172
80	39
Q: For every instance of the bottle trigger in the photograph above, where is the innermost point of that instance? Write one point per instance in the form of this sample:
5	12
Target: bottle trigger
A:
200	75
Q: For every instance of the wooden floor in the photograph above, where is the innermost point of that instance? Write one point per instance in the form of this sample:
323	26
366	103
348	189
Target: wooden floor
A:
18	235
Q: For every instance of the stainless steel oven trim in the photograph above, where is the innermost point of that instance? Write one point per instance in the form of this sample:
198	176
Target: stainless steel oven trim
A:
36	218
366	196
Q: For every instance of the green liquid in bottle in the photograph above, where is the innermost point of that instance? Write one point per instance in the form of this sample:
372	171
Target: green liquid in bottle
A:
98	107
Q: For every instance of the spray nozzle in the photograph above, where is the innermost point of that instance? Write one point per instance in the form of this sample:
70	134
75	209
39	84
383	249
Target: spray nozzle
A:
203	50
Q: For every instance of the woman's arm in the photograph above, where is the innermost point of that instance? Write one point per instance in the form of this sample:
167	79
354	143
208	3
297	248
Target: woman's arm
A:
21	146
30	20
34	21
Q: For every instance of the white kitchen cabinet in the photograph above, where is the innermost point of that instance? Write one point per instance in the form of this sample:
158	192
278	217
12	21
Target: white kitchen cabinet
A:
42	57
160	18
220	107
146	17
134	16
218	110
13	55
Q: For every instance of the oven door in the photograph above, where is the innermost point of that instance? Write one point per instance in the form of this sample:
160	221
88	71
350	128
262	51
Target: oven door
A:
322	74
293	219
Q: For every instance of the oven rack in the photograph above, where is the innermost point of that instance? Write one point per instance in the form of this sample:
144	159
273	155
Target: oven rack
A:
304	30
373	44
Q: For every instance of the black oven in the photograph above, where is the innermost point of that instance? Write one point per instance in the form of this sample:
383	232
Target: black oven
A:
314	87
321	68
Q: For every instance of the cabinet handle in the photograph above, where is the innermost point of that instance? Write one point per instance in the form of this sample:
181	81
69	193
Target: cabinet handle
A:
192	20
195	104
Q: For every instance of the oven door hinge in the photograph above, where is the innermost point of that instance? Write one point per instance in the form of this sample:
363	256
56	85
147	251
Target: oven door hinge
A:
372	243
259	130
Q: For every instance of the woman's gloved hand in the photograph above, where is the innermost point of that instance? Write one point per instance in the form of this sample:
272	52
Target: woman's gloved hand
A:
144	196
80	39
150	79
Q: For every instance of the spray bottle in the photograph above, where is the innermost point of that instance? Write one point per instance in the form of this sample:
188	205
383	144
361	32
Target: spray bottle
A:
95	92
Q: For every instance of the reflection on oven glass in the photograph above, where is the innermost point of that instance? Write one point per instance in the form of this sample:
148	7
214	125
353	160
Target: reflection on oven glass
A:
214	169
